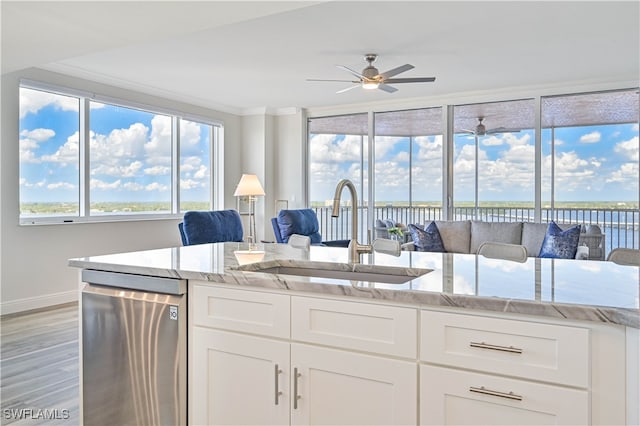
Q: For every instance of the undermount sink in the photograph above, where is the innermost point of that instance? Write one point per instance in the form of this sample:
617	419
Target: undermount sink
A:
339	271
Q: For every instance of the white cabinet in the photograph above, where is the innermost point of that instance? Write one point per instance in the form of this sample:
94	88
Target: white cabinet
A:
266	357
340	387
544	352
477	352
238	380
454	397
245	368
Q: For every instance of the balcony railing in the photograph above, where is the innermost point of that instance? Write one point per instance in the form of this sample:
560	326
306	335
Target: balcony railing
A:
621	226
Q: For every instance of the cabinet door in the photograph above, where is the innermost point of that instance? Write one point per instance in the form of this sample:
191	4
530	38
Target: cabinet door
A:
452	397
237	379
338	387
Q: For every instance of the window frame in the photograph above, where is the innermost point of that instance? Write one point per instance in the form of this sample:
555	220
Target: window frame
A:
216	163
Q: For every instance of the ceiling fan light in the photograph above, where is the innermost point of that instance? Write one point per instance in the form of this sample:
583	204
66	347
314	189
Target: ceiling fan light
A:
370	85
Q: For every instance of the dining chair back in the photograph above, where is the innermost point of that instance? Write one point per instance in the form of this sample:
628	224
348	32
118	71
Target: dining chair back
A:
625	256
513	252
200	227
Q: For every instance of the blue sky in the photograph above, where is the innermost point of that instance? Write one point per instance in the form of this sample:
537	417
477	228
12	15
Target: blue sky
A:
130	153
595	163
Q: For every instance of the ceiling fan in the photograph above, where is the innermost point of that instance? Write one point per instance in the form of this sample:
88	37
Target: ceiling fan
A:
371	78
481	129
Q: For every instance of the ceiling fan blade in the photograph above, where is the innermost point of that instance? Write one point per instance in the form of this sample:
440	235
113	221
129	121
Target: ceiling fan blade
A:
387	88
471	132
502	130
396	71
349	70
411	80
348	88
344	81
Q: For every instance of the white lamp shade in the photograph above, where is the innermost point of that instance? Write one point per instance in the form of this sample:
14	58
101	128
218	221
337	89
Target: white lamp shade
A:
249	185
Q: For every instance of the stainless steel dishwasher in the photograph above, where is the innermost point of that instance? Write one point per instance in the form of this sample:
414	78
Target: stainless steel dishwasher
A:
133	349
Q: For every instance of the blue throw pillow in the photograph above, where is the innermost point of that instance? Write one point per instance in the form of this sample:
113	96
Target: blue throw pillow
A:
559	244
428	239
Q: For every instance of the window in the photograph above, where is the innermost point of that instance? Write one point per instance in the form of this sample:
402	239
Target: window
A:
408	172
580	165
338	150
195	165
494	161
49	154
130	161
590	162
139	162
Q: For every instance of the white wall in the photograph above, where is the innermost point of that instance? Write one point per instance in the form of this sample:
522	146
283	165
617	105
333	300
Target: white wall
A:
33	259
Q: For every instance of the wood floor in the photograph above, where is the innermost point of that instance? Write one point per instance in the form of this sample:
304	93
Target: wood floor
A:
39	367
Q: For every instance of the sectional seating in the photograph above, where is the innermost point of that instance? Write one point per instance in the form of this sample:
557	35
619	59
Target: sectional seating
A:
466	236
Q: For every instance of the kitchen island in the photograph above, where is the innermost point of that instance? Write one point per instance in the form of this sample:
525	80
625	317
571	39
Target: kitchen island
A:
463	339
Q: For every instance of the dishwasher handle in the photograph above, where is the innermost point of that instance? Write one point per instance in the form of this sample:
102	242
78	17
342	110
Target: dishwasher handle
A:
146	283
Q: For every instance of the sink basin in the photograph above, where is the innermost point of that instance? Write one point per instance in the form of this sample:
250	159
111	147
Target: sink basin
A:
338	271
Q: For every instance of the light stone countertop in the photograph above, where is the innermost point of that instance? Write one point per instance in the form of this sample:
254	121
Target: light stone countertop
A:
580	290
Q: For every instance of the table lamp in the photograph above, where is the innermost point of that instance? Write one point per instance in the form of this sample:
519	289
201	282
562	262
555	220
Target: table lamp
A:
250	187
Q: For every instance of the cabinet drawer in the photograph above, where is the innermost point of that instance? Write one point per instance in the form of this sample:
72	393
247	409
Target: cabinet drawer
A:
351	325
551	353
452	397
241	310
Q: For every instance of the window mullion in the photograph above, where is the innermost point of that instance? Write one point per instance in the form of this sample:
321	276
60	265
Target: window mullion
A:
175	165
84	146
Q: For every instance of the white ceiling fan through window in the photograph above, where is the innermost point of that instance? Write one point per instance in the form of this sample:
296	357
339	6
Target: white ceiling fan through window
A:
481	129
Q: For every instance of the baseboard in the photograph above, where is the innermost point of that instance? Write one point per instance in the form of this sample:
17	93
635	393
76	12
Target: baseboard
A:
30	303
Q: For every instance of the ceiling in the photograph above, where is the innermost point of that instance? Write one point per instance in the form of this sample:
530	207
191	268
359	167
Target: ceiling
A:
241	56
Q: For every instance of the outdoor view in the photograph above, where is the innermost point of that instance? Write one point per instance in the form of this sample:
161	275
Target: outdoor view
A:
130	164
589	173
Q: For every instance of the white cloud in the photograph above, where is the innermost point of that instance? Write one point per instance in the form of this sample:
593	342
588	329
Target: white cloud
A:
325	149
32	101
593	137
101	185
159	143
628	148
67	154
402	157
627	174
157	171
30	141
491	141
38	135
26	184
202	173
133	186
190	184
126	170
156	186
63	185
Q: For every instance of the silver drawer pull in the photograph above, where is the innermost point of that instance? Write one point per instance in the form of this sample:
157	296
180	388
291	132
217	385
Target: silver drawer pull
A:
484	345
296	397
278	392
485	391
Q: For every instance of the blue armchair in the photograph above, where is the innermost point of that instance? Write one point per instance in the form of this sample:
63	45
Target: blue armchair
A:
301	222
200	227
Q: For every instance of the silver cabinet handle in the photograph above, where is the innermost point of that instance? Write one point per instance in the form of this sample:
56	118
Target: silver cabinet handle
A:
276	379
483	345
296	397
485	391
